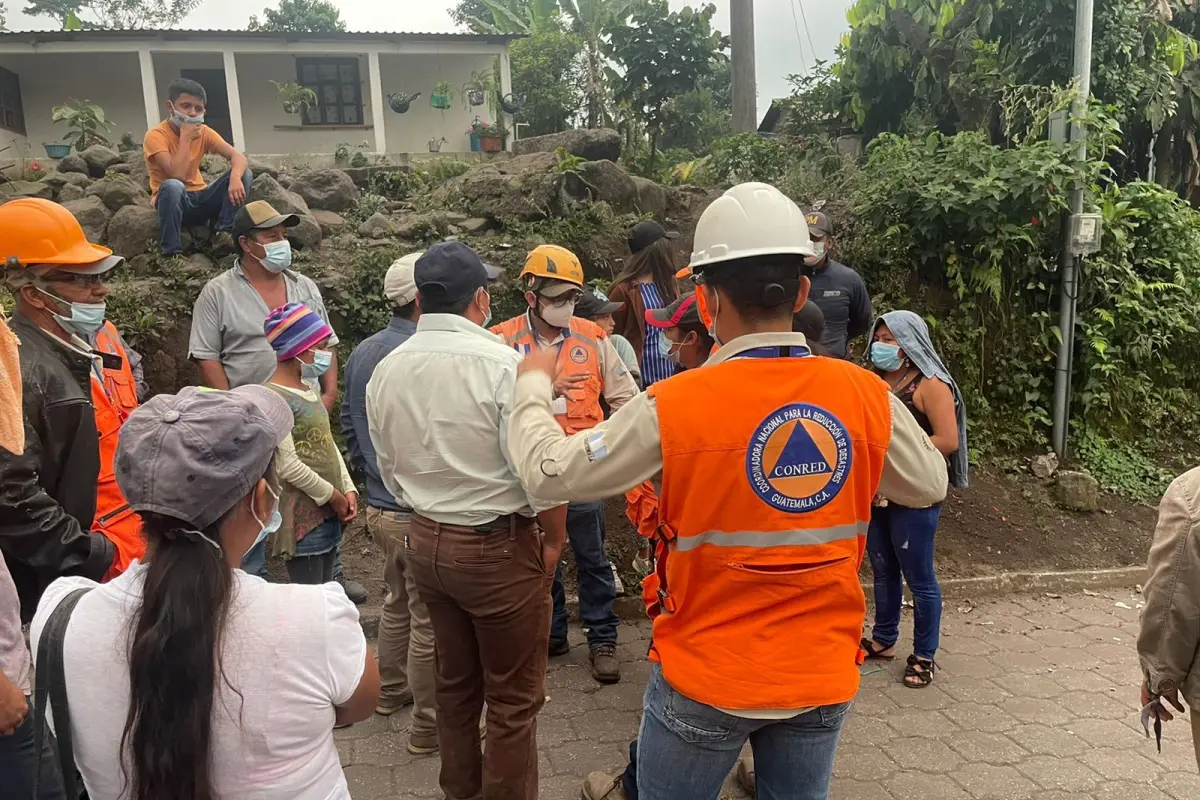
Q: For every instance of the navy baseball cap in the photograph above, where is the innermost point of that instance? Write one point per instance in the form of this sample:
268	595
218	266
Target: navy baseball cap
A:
451	271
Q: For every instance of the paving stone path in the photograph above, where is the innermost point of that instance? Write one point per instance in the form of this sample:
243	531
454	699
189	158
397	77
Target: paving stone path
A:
1037	699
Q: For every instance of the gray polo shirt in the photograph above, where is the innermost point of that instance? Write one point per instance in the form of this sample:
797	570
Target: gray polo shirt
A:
227	323
842	297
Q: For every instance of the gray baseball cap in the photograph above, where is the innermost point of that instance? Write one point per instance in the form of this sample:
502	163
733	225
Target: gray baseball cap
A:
195	454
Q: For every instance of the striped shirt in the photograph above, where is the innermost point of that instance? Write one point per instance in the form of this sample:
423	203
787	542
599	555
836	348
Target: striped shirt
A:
655	365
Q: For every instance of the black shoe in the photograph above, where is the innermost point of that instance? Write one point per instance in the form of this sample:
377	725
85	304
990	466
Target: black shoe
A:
355	591
559	647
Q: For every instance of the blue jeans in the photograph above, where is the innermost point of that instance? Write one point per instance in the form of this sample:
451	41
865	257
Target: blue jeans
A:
20	763
900	544
321	539
686	749
178	207
597	589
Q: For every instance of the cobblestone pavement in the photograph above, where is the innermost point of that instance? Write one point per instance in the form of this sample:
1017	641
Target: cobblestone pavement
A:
1037	699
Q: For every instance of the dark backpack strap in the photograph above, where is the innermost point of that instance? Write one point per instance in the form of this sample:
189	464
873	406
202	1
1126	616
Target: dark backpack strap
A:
51	683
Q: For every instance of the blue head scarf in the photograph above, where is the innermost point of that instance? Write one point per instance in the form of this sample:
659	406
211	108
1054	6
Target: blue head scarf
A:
912	334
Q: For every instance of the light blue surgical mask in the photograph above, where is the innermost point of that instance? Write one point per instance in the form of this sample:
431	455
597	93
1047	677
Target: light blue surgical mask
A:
85	318
184	119
886	357
668	349
487	315
277	256
322	361
272	524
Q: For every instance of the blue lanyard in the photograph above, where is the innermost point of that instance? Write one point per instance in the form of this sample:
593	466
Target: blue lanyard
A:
774	351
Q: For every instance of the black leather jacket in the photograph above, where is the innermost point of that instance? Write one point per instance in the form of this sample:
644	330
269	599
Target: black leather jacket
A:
48	493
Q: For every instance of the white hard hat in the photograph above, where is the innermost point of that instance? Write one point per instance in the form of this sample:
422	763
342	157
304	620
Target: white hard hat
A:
751	219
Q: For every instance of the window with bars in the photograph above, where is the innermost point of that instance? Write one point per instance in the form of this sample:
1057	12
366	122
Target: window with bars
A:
12	113
338	90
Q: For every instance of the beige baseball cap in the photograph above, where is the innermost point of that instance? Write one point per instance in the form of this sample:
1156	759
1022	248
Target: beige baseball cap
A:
399	285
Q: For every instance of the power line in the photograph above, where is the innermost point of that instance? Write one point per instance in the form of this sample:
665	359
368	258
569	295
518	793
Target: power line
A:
799	42
807	31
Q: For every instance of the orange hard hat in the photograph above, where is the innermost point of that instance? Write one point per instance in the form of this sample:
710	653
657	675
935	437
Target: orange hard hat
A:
551	262
35	231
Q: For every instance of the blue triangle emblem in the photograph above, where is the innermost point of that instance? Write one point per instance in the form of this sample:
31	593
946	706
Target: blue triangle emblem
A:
800	456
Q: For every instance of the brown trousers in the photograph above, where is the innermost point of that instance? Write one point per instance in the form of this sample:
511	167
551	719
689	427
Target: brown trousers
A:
488	596
1196	735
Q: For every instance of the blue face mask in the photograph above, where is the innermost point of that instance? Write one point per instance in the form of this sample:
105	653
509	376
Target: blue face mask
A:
886	357
85	318
322	361
667	349
277	256
184	119
272	524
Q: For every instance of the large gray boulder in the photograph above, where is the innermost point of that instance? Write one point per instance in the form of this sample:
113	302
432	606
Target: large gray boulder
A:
68	193
91	213
1077	491
259	167
133	230
307	234
284	201
99	158
326	189
651	197
604	180
38	189
73	163
525	188
118	191
331	222
422	227
602	144
375	226
60	179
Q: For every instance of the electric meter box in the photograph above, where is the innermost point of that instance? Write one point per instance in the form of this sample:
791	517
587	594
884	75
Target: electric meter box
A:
1086	230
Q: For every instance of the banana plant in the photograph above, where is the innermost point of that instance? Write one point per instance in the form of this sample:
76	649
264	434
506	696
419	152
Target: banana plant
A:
591	21
521	17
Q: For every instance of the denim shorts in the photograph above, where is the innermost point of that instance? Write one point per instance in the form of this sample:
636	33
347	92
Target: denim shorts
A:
321	539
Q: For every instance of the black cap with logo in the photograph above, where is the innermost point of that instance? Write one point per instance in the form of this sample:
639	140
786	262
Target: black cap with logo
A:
451	271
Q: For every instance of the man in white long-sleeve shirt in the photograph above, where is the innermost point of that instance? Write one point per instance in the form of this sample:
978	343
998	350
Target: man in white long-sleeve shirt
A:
770	458
437	412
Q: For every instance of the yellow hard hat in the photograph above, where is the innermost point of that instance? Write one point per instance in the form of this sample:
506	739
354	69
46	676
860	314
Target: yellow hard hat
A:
551	262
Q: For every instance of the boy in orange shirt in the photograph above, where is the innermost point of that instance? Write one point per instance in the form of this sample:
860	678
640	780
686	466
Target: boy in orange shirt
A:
173	150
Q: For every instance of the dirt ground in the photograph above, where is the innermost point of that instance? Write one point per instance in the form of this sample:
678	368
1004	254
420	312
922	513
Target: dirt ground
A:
1002	523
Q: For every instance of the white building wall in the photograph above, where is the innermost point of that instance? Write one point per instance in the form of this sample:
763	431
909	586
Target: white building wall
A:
405	74
110	80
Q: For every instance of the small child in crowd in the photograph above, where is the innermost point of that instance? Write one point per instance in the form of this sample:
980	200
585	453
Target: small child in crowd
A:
317	494
595	306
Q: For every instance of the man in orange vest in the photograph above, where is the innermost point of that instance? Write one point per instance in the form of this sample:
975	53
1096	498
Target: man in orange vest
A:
49	491
588	368
770	458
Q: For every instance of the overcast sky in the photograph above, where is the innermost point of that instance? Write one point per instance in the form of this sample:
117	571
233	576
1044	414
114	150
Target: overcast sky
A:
782	40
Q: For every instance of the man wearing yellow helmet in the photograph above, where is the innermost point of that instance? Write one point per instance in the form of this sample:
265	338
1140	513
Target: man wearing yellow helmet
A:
589	368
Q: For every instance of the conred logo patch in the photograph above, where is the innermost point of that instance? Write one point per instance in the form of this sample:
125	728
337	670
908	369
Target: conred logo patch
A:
579	355
799	458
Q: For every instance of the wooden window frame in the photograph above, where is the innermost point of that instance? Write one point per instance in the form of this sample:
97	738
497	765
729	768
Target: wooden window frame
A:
320	85
7	76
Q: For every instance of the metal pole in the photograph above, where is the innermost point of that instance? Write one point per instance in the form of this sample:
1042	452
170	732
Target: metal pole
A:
1069	284
745	95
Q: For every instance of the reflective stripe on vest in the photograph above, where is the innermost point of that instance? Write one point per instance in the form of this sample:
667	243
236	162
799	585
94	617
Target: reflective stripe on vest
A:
578	353
770	462
114	400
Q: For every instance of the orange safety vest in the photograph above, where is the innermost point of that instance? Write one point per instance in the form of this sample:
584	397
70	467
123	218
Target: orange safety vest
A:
579	352
114	400
770	461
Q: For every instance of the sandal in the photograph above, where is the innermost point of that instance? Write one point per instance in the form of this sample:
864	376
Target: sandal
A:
923	676
869	647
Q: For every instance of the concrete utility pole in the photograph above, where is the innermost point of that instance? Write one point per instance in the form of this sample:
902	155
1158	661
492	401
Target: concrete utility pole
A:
745	93
1069	284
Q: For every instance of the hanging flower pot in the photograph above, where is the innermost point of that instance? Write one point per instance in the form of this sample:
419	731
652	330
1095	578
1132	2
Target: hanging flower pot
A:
486	137
511	104
400	103
476	147
491	144
442	97
435	145
476	97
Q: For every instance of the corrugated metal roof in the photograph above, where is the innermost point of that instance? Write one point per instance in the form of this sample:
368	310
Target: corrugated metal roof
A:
176	34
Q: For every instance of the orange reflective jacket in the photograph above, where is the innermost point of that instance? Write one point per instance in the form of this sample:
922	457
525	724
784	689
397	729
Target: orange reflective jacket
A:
579	352
770	461
114	401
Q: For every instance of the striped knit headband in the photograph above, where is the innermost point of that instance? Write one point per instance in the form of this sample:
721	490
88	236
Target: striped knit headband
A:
294	328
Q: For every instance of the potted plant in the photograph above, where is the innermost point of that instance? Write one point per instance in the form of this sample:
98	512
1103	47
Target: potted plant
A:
487	137
479	90
296	99
400	103
435	145
443	96
86	123
56	149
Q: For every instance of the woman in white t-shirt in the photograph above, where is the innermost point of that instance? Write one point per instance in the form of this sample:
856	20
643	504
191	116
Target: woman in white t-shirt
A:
185	676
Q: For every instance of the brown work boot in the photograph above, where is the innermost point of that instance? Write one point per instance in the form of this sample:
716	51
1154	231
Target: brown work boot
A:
388	706
745	775
605	667
602	786
423	744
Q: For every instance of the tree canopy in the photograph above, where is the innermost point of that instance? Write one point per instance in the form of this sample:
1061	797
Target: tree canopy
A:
115	14
311	16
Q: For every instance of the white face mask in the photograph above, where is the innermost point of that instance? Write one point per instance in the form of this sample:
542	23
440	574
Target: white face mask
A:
558	315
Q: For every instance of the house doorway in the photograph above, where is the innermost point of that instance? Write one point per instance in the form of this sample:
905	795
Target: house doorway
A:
217	114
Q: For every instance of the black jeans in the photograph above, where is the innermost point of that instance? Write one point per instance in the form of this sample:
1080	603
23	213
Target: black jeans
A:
19	763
